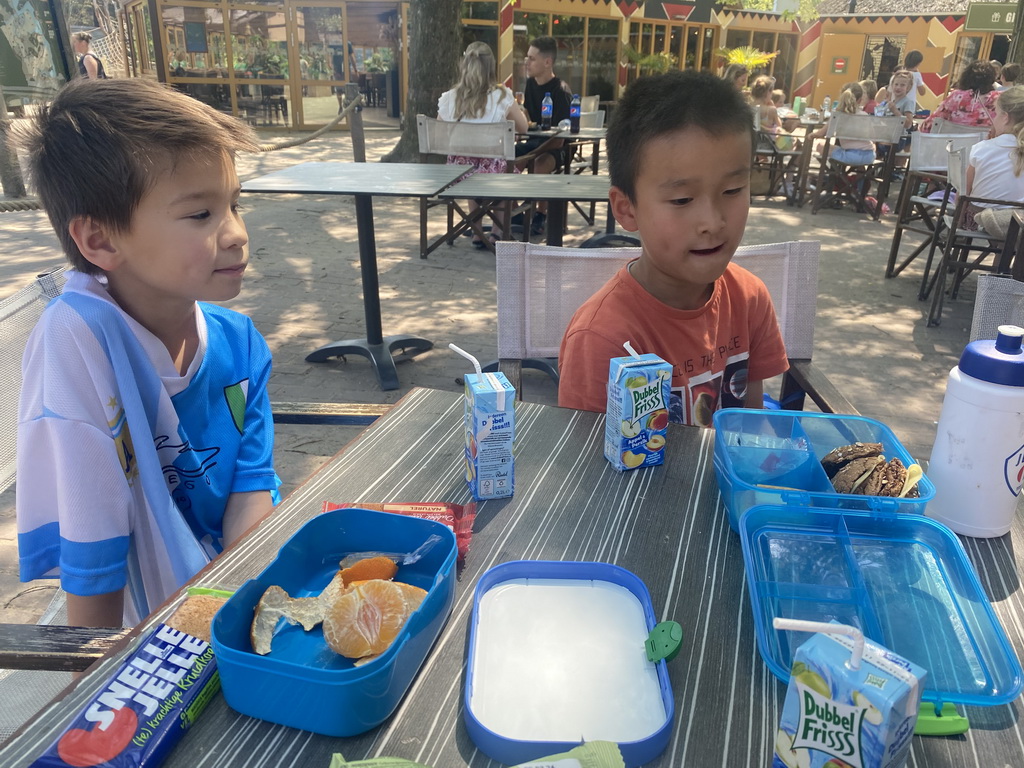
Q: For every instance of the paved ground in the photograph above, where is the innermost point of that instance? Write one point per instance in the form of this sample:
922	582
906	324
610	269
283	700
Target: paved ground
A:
303	290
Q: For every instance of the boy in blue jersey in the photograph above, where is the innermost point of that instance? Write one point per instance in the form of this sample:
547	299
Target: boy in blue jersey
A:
145	440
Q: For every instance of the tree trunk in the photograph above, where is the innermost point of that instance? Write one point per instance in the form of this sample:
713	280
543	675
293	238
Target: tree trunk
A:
433	67
1016	52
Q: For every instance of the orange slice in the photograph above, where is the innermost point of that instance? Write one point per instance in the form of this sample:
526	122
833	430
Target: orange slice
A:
367	618
370	568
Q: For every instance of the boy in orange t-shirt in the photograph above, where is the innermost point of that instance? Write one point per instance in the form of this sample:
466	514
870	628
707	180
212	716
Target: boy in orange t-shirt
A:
679	152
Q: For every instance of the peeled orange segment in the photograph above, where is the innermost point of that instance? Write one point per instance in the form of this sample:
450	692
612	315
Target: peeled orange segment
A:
367	618
370	568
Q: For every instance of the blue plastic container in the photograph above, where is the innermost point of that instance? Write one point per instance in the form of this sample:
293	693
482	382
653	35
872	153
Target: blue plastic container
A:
903	580
757	449
515	749
302	683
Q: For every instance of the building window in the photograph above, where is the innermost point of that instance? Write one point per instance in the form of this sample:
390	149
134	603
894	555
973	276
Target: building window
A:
882	55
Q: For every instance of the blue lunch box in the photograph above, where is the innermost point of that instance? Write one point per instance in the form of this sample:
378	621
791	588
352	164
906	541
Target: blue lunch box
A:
302	683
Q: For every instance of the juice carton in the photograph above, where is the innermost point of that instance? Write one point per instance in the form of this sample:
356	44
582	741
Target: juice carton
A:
637	415
490	419
839	714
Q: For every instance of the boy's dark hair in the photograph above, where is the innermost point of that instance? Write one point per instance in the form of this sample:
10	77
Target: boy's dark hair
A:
546	46
913	58
1011	73
100	145
660	104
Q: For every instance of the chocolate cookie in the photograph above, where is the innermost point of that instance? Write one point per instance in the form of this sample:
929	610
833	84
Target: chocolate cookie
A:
839	457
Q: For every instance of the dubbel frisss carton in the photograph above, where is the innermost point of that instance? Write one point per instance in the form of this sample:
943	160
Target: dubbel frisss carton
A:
490	421
636	418
842	714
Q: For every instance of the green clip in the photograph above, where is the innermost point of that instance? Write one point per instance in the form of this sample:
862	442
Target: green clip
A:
664	641
208	591
944	722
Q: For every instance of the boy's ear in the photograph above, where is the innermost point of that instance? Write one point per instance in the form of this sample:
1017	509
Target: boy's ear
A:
94	241
622	209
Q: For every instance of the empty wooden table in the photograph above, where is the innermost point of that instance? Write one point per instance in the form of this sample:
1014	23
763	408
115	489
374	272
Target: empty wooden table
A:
363	181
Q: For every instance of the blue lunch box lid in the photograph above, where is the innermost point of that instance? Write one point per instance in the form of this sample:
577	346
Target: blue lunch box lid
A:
904	580
512	751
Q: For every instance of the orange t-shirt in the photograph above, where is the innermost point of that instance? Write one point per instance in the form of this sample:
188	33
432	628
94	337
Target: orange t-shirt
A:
714	350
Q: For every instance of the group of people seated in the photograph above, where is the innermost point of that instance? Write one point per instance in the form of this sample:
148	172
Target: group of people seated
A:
478	98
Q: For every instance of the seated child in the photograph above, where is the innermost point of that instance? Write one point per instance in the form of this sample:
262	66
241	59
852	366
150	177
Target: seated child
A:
850	151
996	168
679	154
145	441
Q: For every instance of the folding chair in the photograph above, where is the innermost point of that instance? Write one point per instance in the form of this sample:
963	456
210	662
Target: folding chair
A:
999	301
541	287
589	103
780	166
916	211
840	182
489	140
939	125
959	243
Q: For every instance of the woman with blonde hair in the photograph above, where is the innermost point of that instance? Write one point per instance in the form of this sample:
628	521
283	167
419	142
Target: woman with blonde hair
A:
477	98
996	165
736	74
89	64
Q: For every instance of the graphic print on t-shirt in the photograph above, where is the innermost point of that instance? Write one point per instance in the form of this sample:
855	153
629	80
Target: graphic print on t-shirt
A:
704	393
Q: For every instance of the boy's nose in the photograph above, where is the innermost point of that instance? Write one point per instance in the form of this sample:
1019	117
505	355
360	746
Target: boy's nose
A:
711	218
234	234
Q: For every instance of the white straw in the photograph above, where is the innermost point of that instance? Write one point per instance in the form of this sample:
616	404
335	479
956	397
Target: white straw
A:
799	625
629	348
465	354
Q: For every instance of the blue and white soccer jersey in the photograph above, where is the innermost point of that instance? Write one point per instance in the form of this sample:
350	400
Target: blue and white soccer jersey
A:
102	504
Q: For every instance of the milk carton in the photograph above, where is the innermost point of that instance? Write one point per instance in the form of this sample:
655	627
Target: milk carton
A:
837	715
636	418
490	430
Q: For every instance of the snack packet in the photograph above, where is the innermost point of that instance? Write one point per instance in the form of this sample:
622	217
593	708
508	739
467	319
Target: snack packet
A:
458	517
138	716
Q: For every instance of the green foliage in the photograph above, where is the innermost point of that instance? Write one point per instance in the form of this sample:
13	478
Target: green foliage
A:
808	10
651	63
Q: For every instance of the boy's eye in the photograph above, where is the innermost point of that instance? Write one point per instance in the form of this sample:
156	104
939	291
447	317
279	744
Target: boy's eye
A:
736	190
681	200
237	207
200	216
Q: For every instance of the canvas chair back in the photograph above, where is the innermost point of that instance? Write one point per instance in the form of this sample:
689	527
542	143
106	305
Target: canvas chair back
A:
885	130
589	103
18	316
956	167
541	287
593	119
928	151
939	125
999	301
439	137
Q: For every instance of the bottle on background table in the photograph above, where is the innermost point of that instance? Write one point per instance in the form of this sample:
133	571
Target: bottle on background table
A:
546	108
574	113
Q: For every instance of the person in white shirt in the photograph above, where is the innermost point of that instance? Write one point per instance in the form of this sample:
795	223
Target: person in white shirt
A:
477	98
995	166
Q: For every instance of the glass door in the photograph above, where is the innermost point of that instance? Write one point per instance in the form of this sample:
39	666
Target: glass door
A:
324	58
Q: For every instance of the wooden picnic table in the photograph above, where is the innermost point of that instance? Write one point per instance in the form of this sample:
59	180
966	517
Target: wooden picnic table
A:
665	524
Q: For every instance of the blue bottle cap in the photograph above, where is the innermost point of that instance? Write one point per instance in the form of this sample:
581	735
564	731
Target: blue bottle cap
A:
1000	361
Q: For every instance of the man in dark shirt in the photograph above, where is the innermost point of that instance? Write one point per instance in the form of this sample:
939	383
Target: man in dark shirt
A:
541	80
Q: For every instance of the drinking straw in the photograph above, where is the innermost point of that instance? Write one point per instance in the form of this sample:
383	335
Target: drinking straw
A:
629	348
465	354
799	625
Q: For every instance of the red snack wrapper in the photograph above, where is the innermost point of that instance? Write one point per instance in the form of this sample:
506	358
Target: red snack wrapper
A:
458	517
144	708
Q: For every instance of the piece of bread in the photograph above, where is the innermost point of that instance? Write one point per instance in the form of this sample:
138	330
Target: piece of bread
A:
195	615
839	457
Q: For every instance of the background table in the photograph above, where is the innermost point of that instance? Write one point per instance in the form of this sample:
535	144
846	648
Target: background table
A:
364	180
556	189
666	524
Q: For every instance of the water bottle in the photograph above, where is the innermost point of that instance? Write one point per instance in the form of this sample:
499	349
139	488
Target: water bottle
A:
546	108
826	106
977	462
574	114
